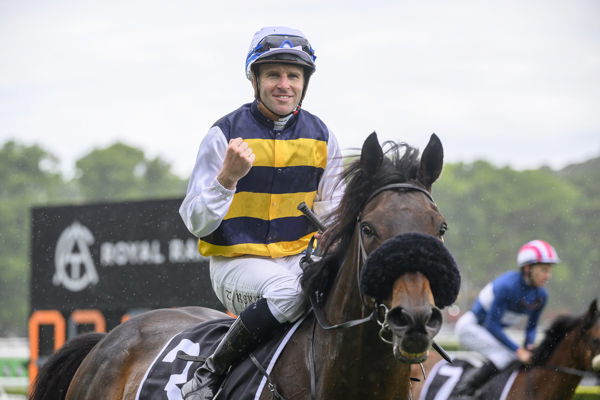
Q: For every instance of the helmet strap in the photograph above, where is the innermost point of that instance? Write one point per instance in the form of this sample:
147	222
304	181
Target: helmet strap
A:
527	275
266	112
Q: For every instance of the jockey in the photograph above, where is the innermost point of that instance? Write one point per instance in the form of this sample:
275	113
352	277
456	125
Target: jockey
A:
253	168
504	302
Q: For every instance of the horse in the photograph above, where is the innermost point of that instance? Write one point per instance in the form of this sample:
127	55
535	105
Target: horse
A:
569	351
375	292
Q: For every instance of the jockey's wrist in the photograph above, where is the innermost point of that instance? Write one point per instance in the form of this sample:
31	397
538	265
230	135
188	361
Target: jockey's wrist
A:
227	182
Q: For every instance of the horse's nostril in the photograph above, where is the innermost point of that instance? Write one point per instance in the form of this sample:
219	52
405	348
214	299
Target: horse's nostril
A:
422	319
399	319
435	321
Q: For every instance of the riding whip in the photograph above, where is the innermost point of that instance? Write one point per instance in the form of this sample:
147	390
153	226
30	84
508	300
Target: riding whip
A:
311	216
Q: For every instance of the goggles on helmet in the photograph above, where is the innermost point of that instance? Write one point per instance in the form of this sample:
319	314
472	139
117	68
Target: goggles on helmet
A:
284	48
282	42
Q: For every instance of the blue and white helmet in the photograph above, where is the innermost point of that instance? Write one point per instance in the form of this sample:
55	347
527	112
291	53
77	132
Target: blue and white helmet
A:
280	44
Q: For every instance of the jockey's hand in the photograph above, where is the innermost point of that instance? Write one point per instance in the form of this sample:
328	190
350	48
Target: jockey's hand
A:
236	164
321	235
524	355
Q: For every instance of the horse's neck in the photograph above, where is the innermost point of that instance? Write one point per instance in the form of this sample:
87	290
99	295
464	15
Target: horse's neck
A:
558	385
344	299
357	352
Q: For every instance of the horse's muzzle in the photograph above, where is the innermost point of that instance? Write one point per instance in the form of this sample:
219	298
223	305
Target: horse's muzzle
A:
413	330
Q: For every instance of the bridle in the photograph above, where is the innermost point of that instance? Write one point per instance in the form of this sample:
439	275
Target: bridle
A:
361	258
380	311
362	253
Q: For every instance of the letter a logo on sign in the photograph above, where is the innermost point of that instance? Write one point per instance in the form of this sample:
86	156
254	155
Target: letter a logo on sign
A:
73	262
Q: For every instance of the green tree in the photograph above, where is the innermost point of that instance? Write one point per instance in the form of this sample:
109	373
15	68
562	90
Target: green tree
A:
122	172
584	252
492	212
28	176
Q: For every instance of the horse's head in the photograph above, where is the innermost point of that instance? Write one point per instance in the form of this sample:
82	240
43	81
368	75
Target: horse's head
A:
387	212
573	342
399	199
414	275
408	269
588	334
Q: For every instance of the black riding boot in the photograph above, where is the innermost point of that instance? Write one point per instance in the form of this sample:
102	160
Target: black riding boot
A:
474	378
254	326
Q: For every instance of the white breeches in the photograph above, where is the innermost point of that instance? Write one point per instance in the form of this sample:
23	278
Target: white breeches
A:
240	281
473	336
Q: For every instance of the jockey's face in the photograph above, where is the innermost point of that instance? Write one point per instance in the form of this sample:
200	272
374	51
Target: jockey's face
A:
280	87
539	274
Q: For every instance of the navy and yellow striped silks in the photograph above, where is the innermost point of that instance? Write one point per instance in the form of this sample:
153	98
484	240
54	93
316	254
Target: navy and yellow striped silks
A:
263	218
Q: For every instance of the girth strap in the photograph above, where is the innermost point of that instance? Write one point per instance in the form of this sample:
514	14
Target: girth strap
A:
270	384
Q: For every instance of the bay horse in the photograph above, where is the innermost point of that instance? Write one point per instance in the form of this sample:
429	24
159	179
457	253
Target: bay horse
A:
369	321
569	351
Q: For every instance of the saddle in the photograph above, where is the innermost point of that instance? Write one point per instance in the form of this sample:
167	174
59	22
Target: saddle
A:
184	353
444	377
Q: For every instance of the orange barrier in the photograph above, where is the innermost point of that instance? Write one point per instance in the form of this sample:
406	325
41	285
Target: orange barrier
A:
37	319
89	317
55	319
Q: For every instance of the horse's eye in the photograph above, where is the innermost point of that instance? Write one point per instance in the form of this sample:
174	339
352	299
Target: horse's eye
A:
367	230
443	229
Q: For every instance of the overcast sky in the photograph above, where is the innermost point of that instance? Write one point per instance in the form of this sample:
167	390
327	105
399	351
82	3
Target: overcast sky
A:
514	82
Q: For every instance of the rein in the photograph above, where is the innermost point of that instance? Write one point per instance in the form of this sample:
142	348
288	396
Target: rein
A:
553	368
566	370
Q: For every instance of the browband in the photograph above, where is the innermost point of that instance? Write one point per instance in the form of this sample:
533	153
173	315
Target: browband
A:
400	186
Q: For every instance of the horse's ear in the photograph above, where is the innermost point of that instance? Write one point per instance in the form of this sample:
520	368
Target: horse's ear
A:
591	316
593	310
371	155
432	161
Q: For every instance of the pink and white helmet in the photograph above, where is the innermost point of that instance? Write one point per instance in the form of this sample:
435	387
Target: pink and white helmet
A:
537	251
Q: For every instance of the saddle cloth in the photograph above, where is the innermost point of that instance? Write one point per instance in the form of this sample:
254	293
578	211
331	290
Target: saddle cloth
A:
167	373
443	377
